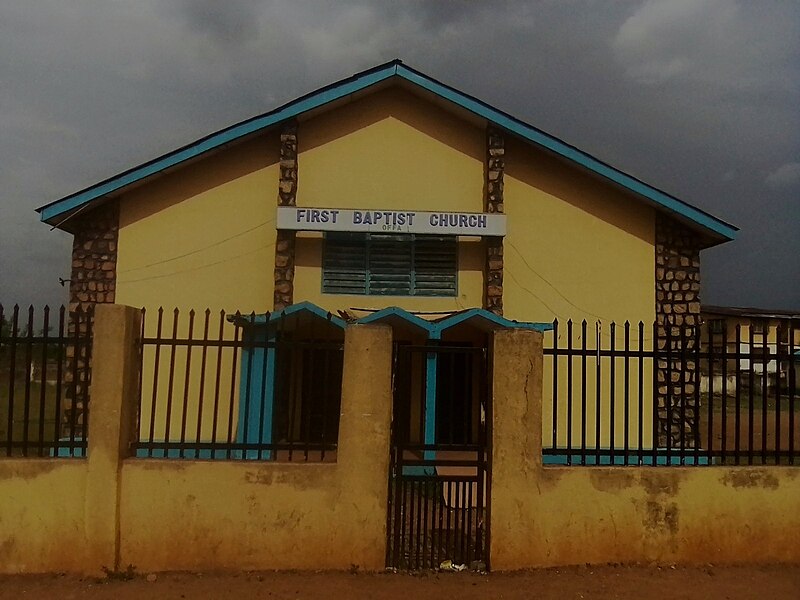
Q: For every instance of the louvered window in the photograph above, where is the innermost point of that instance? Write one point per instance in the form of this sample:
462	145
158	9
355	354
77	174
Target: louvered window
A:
377	264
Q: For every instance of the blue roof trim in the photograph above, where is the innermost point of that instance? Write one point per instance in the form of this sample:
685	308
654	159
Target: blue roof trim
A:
480	313
435	328
360	82
300	307
394	311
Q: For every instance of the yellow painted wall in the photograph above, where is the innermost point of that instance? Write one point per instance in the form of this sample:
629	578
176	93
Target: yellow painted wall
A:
390	150
670	515
42	518
578	249
203	236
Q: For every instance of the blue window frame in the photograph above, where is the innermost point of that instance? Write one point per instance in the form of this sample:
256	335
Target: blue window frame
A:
379	264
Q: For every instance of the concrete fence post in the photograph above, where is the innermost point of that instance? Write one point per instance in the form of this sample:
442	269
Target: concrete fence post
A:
516	444
363	450
112	427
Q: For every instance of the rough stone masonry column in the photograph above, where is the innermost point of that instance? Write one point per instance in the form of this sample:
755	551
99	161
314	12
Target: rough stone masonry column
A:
362	462
93	281
677	317
495	168
287	196
516	447
112	428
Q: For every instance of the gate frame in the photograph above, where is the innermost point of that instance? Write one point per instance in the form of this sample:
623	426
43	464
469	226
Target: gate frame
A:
395	517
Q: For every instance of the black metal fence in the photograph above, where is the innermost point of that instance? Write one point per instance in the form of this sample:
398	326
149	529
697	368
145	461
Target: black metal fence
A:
44	381
620	395
240	387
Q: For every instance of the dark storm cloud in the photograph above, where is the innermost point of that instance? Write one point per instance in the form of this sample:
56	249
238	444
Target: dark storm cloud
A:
697	97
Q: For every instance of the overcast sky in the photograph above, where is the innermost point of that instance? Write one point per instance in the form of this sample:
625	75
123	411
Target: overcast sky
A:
700	98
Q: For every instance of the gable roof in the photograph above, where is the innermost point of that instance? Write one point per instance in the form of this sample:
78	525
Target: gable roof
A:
717	230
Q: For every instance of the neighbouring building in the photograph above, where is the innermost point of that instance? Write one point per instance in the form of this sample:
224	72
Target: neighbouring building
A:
760	336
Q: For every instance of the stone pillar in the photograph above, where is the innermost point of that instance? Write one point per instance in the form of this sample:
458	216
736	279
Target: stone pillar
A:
495	168
93	281
287	196
94	256
112	428
677	319
363	448
516	446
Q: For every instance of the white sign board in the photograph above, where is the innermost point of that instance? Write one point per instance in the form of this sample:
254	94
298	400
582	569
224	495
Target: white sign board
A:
390	221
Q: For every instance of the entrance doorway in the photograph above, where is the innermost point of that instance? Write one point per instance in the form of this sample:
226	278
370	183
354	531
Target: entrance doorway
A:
438	482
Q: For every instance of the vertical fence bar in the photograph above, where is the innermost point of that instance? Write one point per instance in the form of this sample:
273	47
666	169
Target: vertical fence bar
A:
737	443
612	395
12	377
201	391
217	378
142	343
683	396
481	510
654	417
583	392
697	409
307	409
43	376
569	392
555	384
417	500
793	360
59	375
724	418
3	343
266	351
710	358
232	396
244	434
297	357
626	396
171	380
156	368
400	508
597	393
76	349
640	415
777	441
87	413
425	536
750	398
764	392
668	402
28	358
186	375
439	516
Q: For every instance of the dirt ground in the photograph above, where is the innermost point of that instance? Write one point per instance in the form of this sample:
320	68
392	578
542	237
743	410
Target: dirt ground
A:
645	583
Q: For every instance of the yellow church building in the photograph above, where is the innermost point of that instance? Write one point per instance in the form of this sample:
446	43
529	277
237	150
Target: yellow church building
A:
386	195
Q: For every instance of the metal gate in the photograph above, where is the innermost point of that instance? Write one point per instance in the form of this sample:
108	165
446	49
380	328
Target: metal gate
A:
438	485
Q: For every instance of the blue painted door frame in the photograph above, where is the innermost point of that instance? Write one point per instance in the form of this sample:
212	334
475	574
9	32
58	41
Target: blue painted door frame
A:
257	382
